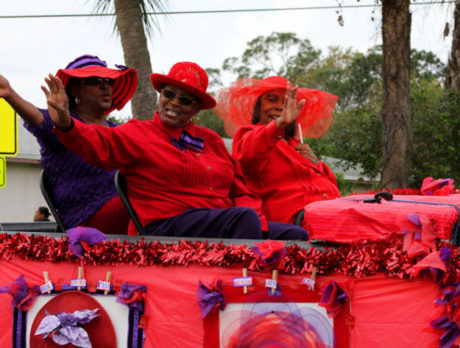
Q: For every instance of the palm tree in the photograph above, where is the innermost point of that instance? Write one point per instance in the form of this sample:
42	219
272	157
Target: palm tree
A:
395	114
131	17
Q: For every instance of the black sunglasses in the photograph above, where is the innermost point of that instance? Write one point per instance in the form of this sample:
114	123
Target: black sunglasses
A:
96	81
185	101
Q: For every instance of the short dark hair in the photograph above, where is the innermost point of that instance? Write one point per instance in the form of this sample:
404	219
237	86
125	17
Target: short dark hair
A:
72	104
44	211
289	131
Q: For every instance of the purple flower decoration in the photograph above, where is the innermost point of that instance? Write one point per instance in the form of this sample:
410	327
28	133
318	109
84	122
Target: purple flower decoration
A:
431	265
448	294
83	234
65	328
451	334
420	235
270	254
131	295
445	254
439	187
23	296
333	298
415	219
210	297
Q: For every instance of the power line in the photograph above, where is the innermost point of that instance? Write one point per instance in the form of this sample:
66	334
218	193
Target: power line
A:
335	7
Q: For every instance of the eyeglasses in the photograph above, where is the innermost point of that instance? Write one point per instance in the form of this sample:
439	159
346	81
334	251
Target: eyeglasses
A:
96	81
183	100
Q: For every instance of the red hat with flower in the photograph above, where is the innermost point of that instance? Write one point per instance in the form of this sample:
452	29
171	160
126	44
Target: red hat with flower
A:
236	103
91	66
188	76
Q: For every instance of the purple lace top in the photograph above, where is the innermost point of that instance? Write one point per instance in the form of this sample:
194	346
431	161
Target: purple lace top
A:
79	188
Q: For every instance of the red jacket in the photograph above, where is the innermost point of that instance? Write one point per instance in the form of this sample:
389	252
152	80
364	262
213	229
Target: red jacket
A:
162	180
285	180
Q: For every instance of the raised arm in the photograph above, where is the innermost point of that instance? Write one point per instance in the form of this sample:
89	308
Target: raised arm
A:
104	147
25	109
252	144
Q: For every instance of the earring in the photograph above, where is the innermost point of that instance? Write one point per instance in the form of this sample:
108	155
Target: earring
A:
77	100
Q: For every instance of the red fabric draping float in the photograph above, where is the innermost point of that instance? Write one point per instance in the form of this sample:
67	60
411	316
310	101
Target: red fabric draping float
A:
350	219
383	291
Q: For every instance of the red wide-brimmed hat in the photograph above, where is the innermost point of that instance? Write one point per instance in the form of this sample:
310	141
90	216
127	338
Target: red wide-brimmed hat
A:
188	76
236	103
100	330
88	66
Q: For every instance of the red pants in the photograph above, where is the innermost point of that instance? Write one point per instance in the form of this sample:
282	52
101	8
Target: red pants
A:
112	218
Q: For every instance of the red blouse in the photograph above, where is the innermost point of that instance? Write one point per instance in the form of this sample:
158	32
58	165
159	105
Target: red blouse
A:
162	180
285	180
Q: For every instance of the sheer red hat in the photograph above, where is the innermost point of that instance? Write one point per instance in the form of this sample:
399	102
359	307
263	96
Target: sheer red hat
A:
236	103
100	330
88	66
188	76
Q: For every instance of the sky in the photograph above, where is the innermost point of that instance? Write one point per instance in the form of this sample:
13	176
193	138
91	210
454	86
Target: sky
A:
33	47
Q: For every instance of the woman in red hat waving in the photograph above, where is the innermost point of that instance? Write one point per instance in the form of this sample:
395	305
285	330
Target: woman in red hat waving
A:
272	117
181	180
84	194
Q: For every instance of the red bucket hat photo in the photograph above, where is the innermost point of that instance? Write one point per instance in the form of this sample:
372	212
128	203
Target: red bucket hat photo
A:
91	66
100	329
188	76
236	103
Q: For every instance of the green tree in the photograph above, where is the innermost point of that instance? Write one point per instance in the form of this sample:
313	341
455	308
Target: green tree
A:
436	127
208	119
355	134
351	75
281	54
132	23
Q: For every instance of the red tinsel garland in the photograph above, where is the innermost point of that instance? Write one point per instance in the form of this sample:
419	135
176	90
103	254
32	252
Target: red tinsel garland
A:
358	260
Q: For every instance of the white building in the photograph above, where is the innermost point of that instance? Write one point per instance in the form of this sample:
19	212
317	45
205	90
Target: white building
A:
21	196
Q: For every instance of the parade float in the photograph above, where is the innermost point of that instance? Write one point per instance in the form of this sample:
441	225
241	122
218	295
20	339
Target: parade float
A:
381	271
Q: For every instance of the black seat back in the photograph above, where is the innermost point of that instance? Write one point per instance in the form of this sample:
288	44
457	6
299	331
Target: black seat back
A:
120	184
49	198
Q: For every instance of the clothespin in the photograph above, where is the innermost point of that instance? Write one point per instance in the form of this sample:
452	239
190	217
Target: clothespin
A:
245	274
47	279
107	279
274	277
80	275
313	277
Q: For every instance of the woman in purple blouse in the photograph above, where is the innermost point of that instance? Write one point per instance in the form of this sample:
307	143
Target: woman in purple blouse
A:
84	195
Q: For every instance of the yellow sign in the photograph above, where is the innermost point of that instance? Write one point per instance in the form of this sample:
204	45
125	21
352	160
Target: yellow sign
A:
2	172
8	129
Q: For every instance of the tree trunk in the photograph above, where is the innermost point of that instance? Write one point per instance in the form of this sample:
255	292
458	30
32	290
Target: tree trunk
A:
453	67
136	54
397	134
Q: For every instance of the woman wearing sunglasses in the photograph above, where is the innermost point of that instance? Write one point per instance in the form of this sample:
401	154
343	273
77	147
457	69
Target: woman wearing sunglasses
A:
273	117
84	195
181	180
